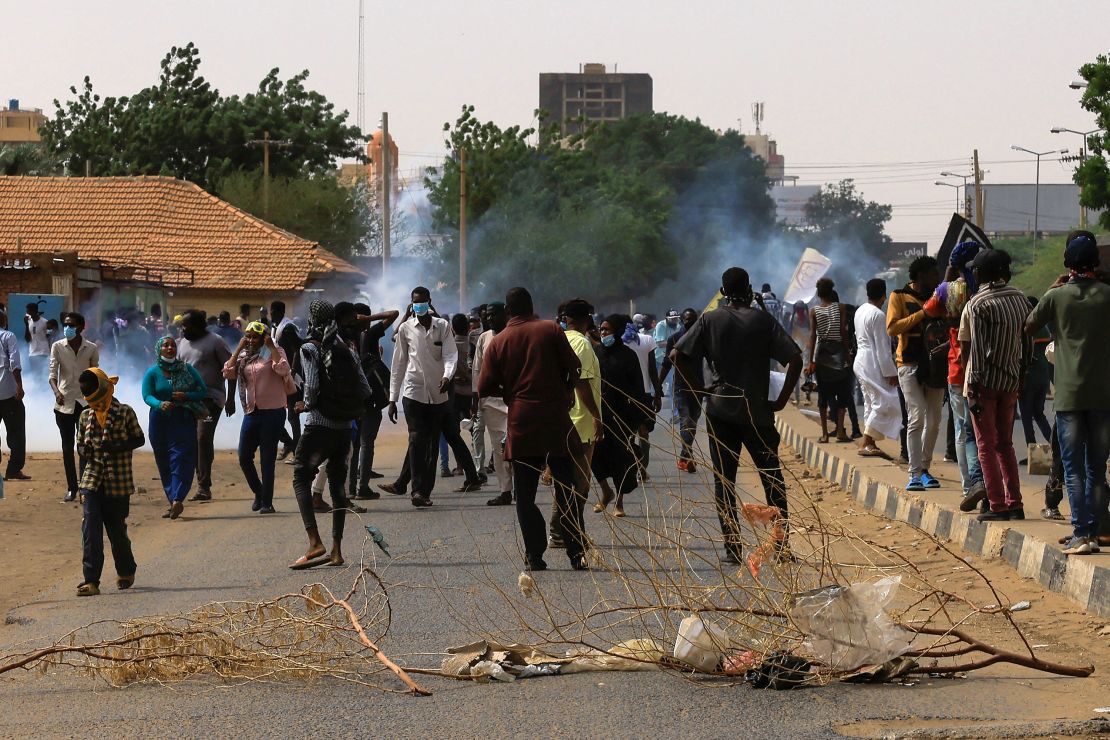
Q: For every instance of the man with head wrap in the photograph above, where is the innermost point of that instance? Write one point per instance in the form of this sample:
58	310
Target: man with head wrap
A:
1077	305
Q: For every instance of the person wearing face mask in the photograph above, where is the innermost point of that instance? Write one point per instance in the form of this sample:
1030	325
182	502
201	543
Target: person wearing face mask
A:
176	394
614	459
685	409
261	371
664	330
69	357
208	353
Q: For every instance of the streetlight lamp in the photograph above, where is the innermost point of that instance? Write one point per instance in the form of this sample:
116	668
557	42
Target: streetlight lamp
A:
1037	189
1078	84
967	198
1082	159
951	185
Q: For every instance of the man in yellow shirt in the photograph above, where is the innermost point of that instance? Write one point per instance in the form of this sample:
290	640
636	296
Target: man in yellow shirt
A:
574	315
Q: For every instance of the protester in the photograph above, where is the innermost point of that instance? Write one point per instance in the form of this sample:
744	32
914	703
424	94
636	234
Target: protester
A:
69	357
477	326
335	392
615	454
770	303
176	394
208	353
585	415
244	318
38	340
877	374
644	347
924	394
948	302
1034	390
1077	306
110	433
738	413
460	395
831	349
377	377
493	409
261	371
13	414
227	331
664	330
532	366
685	409
423	365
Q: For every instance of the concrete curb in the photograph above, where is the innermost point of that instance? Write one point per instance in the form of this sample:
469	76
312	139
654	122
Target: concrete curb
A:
1081	579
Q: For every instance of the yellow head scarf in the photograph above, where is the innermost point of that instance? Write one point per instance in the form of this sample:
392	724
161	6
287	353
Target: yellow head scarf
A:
101	399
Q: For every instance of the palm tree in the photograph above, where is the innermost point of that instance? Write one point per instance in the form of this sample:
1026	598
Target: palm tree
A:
29	159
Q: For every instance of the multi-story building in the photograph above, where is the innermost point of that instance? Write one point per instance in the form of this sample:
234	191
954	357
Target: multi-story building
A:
20	126
593	94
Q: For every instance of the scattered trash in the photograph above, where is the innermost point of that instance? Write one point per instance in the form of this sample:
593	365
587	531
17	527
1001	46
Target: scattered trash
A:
780	672
1102	710
630	655
700	644
888	671
846	628
491	671
1020	606
527	585
378	537
522	661
737	664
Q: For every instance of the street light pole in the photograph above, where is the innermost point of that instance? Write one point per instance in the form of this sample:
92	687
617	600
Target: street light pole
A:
967	198
952	185
1082	159
1037	190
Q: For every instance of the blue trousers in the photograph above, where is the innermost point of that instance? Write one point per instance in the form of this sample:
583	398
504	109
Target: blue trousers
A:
1084	447
685	411
967	449
173	437
261	431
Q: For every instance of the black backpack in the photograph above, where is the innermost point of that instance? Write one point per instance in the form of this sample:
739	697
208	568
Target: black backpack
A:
342	396
932	366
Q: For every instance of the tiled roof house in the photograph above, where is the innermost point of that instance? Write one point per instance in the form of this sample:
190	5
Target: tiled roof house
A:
205	252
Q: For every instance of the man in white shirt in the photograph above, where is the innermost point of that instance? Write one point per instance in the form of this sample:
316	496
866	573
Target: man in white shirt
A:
423	364
12	412
644	346
38	342
69	357
493	409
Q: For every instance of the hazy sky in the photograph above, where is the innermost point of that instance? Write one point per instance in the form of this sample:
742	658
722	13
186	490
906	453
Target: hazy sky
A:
888	92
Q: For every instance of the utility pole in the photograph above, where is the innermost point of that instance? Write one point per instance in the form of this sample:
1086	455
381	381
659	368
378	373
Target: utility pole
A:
266	142
386	192
462	230
1037	190
978	190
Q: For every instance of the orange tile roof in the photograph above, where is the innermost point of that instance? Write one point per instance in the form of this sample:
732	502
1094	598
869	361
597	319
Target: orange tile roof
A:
158	221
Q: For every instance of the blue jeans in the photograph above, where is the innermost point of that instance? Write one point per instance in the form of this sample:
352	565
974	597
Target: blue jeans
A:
967	451
685	412
1084	447
261	431
173	437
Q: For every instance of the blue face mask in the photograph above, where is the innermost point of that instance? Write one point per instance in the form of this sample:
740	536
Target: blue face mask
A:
609	340
563	325
70	332
420	309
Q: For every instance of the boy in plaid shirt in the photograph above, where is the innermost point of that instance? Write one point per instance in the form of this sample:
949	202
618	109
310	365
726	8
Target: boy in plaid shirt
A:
108	432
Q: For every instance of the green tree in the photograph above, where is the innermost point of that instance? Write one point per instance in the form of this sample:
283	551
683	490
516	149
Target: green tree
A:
183	127
28	159
840	213
1093	175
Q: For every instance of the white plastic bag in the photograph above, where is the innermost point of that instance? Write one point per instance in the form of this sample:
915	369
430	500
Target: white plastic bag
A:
700	643
492	671
846	628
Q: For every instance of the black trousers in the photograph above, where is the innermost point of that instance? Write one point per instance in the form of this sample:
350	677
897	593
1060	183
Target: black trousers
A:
362	453
526	479
426	422
294	420
105	514
319	445
13	414
67	427
726	440
206	448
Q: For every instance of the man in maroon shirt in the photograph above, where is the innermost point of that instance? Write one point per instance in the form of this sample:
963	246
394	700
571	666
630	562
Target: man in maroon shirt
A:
532	366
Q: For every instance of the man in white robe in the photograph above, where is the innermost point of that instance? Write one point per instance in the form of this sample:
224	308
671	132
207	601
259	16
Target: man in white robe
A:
877	374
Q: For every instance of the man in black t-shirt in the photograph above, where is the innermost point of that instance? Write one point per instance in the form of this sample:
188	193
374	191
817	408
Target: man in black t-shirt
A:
739	342
362	455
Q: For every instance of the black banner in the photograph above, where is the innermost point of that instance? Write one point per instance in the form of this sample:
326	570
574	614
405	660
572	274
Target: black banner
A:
959	230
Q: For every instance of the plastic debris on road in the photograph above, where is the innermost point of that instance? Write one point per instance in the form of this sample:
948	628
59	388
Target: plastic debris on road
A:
1020	606
780	672
378	537
526	584
848	627
522	661
700	644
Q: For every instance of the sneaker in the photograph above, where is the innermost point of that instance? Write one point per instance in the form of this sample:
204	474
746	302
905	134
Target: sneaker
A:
915	484
266	510
445	473
70	497
533	564
1017	514
469	487
1092	542
1051	512
256	505
996	516
976	494
202	496
929	481
1078	546
367	495
504	499
950	458
374	475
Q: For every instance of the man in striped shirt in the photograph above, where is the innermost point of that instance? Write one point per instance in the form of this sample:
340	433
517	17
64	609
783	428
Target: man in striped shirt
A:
997	352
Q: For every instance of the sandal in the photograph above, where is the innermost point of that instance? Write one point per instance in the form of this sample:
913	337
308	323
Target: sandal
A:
88	589
125	582
823	439
176	509
873	452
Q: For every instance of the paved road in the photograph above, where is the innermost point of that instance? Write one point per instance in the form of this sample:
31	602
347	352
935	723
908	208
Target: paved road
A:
228	553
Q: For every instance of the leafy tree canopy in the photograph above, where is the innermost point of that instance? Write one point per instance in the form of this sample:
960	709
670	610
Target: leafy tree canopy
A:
1093	176
838	212
182	127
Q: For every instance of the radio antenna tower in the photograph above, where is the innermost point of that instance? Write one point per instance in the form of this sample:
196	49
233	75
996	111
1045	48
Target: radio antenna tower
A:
360	106
757	115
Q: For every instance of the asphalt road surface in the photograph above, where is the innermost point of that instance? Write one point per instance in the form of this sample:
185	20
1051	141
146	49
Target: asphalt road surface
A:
222	551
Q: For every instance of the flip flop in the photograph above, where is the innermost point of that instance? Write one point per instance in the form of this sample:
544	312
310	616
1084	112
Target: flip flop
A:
304	563
873	452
